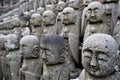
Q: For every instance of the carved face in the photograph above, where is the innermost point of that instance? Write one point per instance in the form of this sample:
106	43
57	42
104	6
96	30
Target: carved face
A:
40	10
74	4
68	15
95	12
60	5
48	18
29	48
36	19
99	56
51	55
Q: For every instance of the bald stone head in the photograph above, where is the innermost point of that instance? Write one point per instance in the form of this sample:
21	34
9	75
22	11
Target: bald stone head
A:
74	3
15	22
100	55
48	17
69	15
36	19
30	46
86	2
40	10
53	49
95	12
61	5
50	7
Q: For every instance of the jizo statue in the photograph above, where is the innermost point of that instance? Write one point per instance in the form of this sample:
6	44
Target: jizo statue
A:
70	32
36	22
49	7
95	18
84	20
60	6
14	56
100	58
40	10
24	24
32	66
53	55
49	22
116	32
110	11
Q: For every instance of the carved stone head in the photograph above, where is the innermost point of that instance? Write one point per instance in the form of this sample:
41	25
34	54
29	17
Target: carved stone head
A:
53	49
86	2
12	42
69	15
36	19
61	5
49	7
48	17
15	22
29	45
24	21
99	55
74	3
95	12
40	10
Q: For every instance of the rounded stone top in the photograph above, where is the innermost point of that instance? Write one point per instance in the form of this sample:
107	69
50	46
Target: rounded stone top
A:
30	39
95	4
101	41
68	9
48	12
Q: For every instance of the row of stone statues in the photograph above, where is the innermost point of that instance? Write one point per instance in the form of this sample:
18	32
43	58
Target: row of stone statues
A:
61	40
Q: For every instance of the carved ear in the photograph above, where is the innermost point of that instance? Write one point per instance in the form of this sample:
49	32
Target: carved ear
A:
35	51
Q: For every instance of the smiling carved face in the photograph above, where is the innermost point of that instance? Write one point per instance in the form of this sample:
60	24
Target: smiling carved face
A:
99	57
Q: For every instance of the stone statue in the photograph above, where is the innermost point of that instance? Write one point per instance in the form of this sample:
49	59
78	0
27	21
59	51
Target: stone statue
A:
24	24
116	32
16	24
70	32
32	66
60	6
36	22
95	20
110	10
53	55
84	20
4	72
49	22
100	58
14	57
40	10
49	7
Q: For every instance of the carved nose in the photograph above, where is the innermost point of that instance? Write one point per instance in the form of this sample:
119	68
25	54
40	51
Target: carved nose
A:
43	56
93	14
93	62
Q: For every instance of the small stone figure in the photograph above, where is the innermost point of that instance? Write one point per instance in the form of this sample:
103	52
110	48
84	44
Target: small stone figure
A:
40	10
24	24
14	56
60	6
36	22
116	32
49	22
32	66
95	19
49	7
70	32
100	58
110	11
53	55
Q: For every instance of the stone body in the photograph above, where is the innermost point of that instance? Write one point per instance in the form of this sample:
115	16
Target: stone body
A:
53	55
100	58
32	66
14	57
95	19
36	22
49	22
70	32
